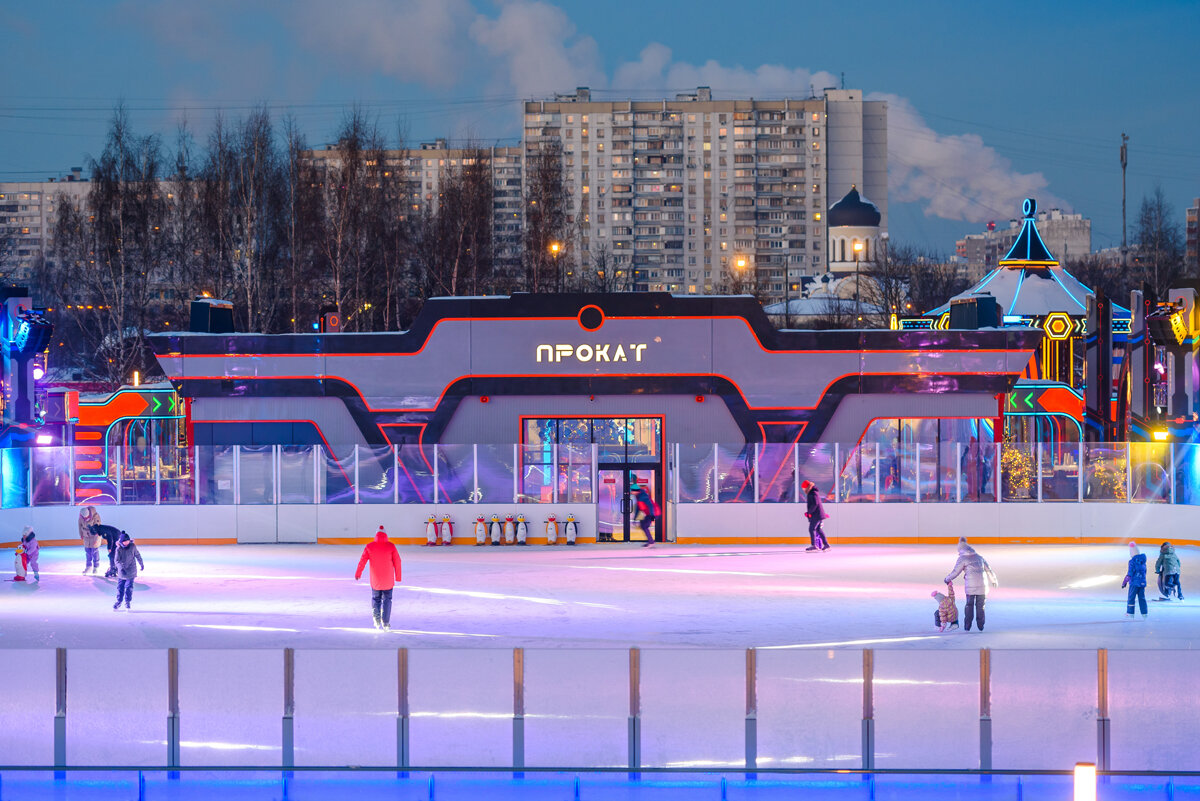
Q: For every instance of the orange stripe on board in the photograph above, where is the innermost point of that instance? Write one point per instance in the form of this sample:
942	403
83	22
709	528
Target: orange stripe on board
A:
88	465
87	435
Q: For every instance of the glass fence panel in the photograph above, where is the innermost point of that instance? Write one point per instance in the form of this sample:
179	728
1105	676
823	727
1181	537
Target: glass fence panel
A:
461	708
777	473
693	708
376	471
297	474
898	472
346	707
50	471
416	473
735	473
1150	463
809	708
977	462
495	465
575	473
937	472
862	473
216	475
117	707
924	691
1104	476
14	470
27	733
1155	716
696	474
1018	471
817	464
576	707
456	473
175	475
1060	471
230	707
1187	474
256	474
1043	709
537	474
337	475
137	469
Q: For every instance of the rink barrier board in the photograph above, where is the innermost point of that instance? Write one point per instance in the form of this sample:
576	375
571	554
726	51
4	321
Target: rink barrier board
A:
1058	523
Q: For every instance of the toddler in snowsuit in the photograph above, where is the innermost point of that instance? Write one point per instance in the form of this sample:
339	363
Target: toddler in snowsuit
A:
30	543
1135	579
1167	567
947	612
126	555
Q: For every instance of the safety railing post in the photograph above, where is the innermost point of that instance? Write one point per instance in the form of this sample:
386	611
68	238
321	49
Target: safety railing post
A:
157	476
716	487
356	495
868	710
516	498
475	472
876	472
917	495
60	707
118	467
1103	732
985	709
316	460
289	707
1079	473
402	712
957	473
395	474
554	471
276	474
837	474
237	475
1039	447
196	475
1128	472
757	456
1172	471
71	475
635	710
996	465
518	731
172	707
751	709
436	478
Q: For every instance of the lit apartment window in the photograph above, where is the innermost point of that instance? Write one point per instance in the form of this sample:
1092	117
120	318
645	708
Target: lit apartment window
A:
816	117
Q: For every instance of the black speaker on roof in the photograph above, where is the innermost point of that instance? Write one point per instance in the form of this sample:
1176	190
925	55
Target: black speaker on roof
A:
211	316
977	311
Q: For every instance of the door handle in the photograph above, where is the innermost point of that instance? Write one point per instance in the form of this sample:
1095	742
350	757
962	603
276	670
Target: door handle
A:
624	506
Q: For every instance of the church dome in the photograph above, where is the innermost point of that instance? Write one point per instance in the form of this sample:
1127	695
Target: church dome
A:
854	210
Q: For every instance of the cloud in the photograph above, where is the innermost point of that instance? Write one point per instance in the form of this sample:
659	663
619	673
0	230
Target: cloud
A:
655	71
954	177
538	48
418	41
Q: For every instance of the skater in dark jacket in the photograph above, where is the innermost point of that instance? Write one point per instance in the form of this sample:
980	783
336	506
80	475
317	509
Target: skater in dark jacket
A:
646	509
128	559
1135	580
1167	568
816	515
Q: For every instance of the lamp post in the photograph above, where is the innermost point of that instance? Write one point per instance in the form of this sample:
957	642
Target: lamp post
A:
740	263
858	247
554	248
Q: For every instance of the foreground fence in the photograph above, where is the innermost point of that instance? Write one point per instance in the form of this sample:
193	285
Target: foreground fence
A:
946	472
789	708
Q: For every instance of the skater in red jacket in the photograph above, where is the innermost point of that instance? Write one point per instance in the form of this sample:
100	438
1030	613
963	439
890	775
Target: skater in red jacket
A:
385	572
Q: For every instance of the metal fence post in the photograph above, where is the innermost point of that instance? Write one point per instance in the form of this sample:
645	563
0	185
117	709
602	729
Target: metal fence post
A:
1128	472
402	711
237	475
475	473
1039	471
316	458
289	707
868	710
757	457
554	472
172	707
716	476
60	707
917	496
876	468
1079	473
985	709
436	477
356	498
751	709
118	465
1172	472
518	732
635	709
196	475
1103	732
157	476
957	473
996	465
837	473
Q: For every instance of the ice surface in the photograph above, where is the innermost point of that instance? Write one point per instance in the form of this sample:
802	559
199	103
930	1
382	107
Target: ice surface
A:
591	596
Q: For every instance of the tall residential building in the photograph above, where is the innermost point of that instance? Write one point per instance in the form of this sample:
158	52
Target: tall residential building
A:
696	195
1192	232
27	210
1068	237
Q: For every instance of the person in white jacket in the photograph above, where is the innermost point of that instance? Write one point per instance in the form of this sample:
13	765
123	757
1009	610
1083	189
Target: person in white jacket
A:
978	577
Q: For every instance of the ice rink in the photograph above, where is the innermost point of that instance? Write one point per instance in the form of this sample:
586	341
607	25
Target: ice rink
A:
592	596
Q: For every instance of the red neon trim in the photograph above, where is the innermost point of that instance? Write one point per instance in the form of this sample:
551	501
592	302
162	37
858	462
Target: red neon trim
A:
603	318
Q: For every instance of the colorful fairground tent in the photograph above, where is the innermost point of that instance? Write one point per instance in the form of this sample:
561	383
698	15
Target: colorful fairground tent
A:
1031	289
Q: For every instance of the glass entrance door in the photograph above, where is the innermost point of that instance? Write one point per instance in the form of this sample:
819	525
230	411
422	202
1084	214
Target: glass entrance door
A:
617	507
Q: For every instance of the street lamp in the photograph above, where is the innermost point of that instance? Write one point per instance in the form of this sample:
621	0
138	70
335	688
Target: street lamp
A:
740	263
858	248
555	247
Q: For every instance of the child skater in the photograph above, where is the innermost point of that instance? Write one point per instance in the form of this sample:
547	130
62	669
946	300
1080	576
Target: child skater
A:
947	612
29	540
1135	579
126	554
1167	568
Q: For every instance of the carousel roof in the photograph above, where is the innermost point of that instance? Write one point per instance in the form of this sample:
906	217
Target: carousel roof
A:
1029	282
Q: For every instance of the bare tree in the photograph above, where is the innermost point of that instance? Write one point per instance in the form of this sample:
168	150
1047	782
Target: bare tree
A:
107	256
548	241
456	228
1160	249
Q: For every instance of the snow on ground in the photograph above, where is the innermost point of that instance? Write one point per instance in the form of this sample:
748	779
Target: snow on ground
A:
273	596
